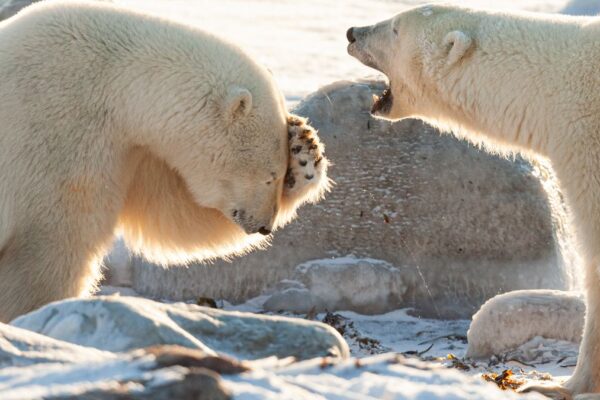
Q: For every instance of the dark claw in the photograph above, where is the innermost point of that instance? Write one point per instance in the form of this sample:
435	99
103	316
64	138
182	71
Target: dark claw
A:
290	181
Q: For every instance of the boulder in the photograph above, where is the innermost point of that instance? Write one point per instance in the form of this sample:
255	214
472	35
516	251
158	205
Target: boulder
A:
510	320
119	324
9	8
464	224
367	286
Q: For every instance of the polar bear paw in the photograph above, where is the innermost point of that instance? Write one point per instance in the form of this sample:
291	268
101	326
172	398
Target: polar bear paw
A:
306	177
555	392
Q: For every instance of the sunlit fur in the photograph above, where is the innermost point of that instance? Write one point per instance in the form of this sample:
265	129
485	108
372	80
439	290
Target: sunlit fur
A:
519	82
115	121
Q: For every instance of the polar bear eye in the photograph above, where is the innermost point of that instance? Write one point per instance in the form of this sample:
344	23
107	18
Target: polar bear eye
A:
395	31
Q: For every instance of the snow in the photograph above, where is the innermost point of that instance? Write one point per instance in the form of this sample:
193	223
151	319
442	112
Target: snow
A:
302	42
379	377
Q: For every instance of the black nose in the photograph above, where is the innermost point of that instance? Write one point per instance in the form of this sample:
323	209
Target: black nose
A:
350	35
264	231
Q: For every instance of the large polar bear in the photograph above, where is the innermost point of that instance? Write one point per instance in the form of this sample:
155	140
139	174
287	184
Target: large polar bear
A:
113	120
517	82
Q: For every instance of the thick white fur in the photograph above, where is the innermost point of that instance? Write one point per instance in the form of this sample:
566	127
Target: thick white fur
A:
113	120
517	82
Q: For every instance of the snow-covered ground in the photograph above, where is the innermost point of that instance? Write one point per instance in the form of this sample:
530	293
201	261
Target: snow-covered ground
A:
96	345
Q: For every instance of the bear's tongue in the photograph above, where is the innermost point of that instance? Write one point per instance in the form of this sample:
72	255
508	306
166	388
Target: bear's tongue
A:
382	103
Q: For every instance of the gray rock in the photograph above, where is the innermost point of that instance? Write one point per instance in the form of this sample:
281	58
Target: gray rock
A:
507	321
35	366
296	300
367	286
8	8
582	7
465	224
120	324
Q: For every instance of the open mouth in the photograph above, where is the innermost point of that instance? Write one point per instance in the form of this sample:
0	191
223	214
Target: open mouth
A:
382	104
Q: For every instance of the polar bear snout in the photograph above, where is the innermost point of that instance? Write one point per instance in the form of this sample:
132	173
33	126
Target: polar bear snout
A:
350	35
249	223
359	46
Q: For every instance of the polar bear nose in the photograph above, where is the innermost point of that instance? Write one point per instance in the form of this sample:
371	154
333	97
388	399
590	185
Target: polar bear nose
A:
264	231
350	35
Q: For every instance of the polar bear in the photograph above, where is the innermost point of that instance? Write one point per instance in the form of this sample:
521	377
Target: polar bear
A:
519	82
111	120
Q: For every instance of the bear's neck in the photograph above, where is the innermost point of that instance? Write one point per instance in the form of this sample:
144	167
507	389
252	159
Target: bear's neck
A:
513	91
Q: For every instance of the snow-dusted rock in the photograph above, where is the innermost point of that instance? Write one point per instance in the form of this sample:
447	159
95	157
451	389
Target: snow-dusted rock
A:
20	348
9	8
464	225
582	7
33	366
117	323
509	320
364	285
296	300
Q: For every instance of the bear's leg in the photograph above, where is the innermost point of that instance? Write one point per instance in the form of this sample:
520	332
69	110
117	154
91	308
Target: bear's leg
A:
38	266
586	377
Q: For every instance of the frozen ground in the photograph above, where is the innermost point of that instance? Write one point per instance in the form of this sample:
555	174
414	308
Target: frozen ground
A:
395	356
445	341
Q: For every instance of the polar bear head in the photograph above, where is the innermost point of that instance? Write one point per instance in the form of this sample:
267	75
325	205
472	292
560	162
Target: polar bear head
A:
220	121
216	136
413	49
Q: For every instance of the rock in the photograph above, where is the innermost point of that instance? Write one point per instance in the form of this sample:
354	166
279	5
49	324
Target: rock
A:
509	320
196	384
464	224
582	7
366	286
20	348
299	301
120	324
35	366
11	7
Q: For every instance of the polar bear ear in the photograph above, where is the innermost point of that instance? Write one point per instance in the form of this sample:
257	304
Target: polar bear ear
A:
238	103
456	43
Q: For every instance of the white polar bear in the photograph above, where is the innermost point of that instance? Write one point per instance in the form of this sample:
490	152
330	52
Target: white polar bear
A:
113	120
518	82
